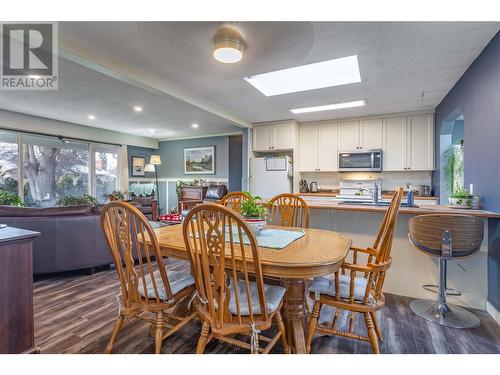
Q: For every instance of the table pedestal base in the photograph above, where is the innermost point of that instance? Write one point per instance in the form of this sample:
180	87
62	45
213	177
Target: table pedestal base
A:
295	314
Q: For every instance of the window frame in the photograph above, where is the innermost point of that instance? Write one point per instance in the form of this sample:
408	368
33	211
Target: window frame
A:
91	147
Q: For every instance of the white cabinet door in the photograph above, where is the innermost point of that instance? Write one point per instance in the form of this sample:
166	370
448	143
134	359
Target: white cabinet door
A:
327	147
282	137
261	138
370	134
420	146
394	144
308	148
349	136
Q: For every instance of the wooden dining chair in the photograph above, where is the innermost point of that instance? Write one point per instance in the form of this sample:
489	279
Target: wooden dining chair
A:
289	210
234	200
224	257
357	287
148	291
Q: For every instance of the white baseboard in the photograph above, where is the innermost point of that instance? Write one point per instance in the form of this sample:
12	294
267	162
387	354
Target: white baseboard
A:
495	314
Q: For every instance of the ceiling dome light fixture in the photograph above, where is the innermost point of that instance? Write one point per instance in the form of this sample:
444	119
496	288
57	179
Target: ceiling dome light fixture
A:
228	45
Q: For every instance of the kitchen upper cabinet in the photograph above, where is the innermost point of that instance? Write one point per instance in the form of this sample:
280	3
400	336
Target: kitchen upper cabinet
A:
308	146
261	138
420	143
394	144
318	148
327	147
360	135
274	137
408	143
348	136
370	134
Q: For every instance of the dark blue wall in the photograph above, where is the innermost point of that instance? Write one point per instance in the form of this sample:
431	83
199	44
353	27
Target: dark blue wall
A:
477	96
140	151
235	162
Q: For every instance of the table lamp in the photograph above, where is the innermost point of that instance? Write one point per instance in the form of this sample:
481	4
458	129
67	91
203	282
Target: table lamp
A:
154	161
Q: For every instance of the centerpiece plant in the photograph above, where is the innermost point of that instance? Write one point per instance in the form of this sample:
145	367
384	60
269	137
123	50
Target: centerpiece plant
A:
254	211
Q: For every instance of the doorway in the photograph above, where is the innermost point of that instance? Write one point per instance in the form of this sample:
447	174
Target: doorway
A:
452	147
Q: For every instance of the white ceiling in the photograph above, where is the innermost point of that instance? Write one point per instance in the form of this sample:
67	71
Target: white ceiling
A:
167	67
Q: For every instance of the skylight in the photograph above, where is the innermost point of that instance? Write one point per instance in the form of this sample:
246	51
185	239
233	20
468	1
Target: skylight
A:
330	107
308	77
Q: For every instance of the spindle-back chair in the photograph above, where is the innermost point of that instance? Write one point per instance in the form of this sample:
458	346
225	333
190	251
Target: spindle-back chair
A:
345	290
224	258
289	210
234	200
146	286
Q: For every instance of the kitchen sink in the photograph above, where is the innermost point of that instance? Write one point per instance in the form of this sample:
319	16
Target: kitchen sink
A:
368	203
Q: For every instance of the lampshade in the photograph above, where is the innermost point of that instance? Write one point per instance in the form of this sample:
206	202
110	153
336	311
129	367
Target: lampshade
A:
155	160
149	168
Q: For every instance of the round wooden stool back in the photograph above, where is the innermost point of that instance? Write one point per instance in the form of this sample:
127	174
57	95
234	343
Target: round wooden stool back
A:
426	232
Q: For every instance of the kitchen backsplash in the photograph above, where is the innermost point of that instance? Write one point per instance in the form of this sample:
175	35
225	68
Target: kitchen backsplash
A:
390	180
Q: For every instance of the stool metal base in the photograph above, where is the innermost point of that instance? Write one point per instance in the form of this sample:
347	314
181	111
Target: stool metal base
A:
455	316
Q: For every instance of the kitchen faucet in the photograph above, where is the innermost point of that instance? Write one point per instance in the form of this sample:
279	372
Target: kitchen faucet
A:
373	192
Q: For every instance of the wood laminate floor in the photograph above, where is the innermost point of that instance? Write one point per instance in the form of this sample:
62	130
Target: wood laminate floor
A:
74	313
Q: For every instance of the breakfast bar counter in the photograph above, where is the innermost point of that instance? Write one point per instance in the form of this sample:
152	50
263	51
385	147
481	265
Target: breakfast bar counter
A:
422	209
410	268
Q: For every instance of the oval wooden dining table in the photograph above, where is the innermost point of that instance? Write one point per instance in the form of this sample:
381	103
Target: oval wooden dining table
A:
317	253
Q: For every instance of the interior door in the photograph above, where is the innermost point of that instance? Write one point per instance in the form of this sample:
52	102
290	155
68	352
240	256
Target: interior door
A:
308	148
371	134
349	136
327	147
394	144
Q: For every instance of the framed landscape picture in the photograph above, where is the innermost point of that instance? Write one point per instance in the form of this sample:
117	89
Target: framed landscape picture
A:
199	160
138	164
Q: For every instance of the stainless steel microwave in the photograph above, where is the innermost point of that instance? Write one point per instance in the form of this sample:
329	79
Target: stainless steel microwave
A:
360	161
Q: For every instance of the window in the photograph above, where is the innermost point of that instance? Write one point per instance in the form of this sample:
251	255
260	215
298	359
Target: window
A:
9	162
53	169
106	171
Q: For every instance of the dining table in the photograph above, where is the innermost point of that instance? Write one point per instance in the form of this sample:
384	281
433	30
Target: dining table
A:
317	253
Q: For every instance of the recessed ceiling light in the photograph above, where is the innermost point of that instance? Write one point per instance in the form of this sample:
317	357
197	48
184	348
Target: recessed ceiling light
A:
308	77
227	45
91	117
195	126
152	130
138	108
329	107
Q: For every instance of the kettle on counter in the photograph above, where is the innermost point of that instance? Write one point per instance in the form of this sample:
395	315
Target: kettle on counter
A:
314	187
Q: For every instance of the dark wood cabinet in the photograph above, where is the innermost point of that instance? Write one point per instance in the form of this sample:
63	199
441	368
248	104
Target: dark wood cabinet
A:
189	195
16	291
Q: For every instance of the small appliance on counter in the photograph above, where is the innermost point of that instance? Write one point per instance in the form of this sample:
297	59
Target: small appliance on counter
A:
304	188
358	189
424	190
314	187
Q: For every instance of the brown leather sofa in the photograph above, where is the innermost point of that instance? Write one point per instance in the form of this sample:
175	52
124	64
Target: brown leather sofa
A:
71	237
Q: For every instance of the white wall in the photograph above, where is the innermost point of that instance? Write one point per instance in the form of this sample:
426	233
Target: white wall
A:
21	122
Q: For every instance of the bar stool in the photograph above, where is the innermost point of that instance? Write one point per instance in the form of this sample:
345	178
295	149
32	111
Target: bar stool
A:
447	237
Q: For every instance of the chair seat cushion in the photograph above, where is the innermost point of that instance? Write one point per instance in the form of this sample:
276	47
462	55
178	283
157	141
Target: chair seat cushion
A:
178	280
326	285
274	294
